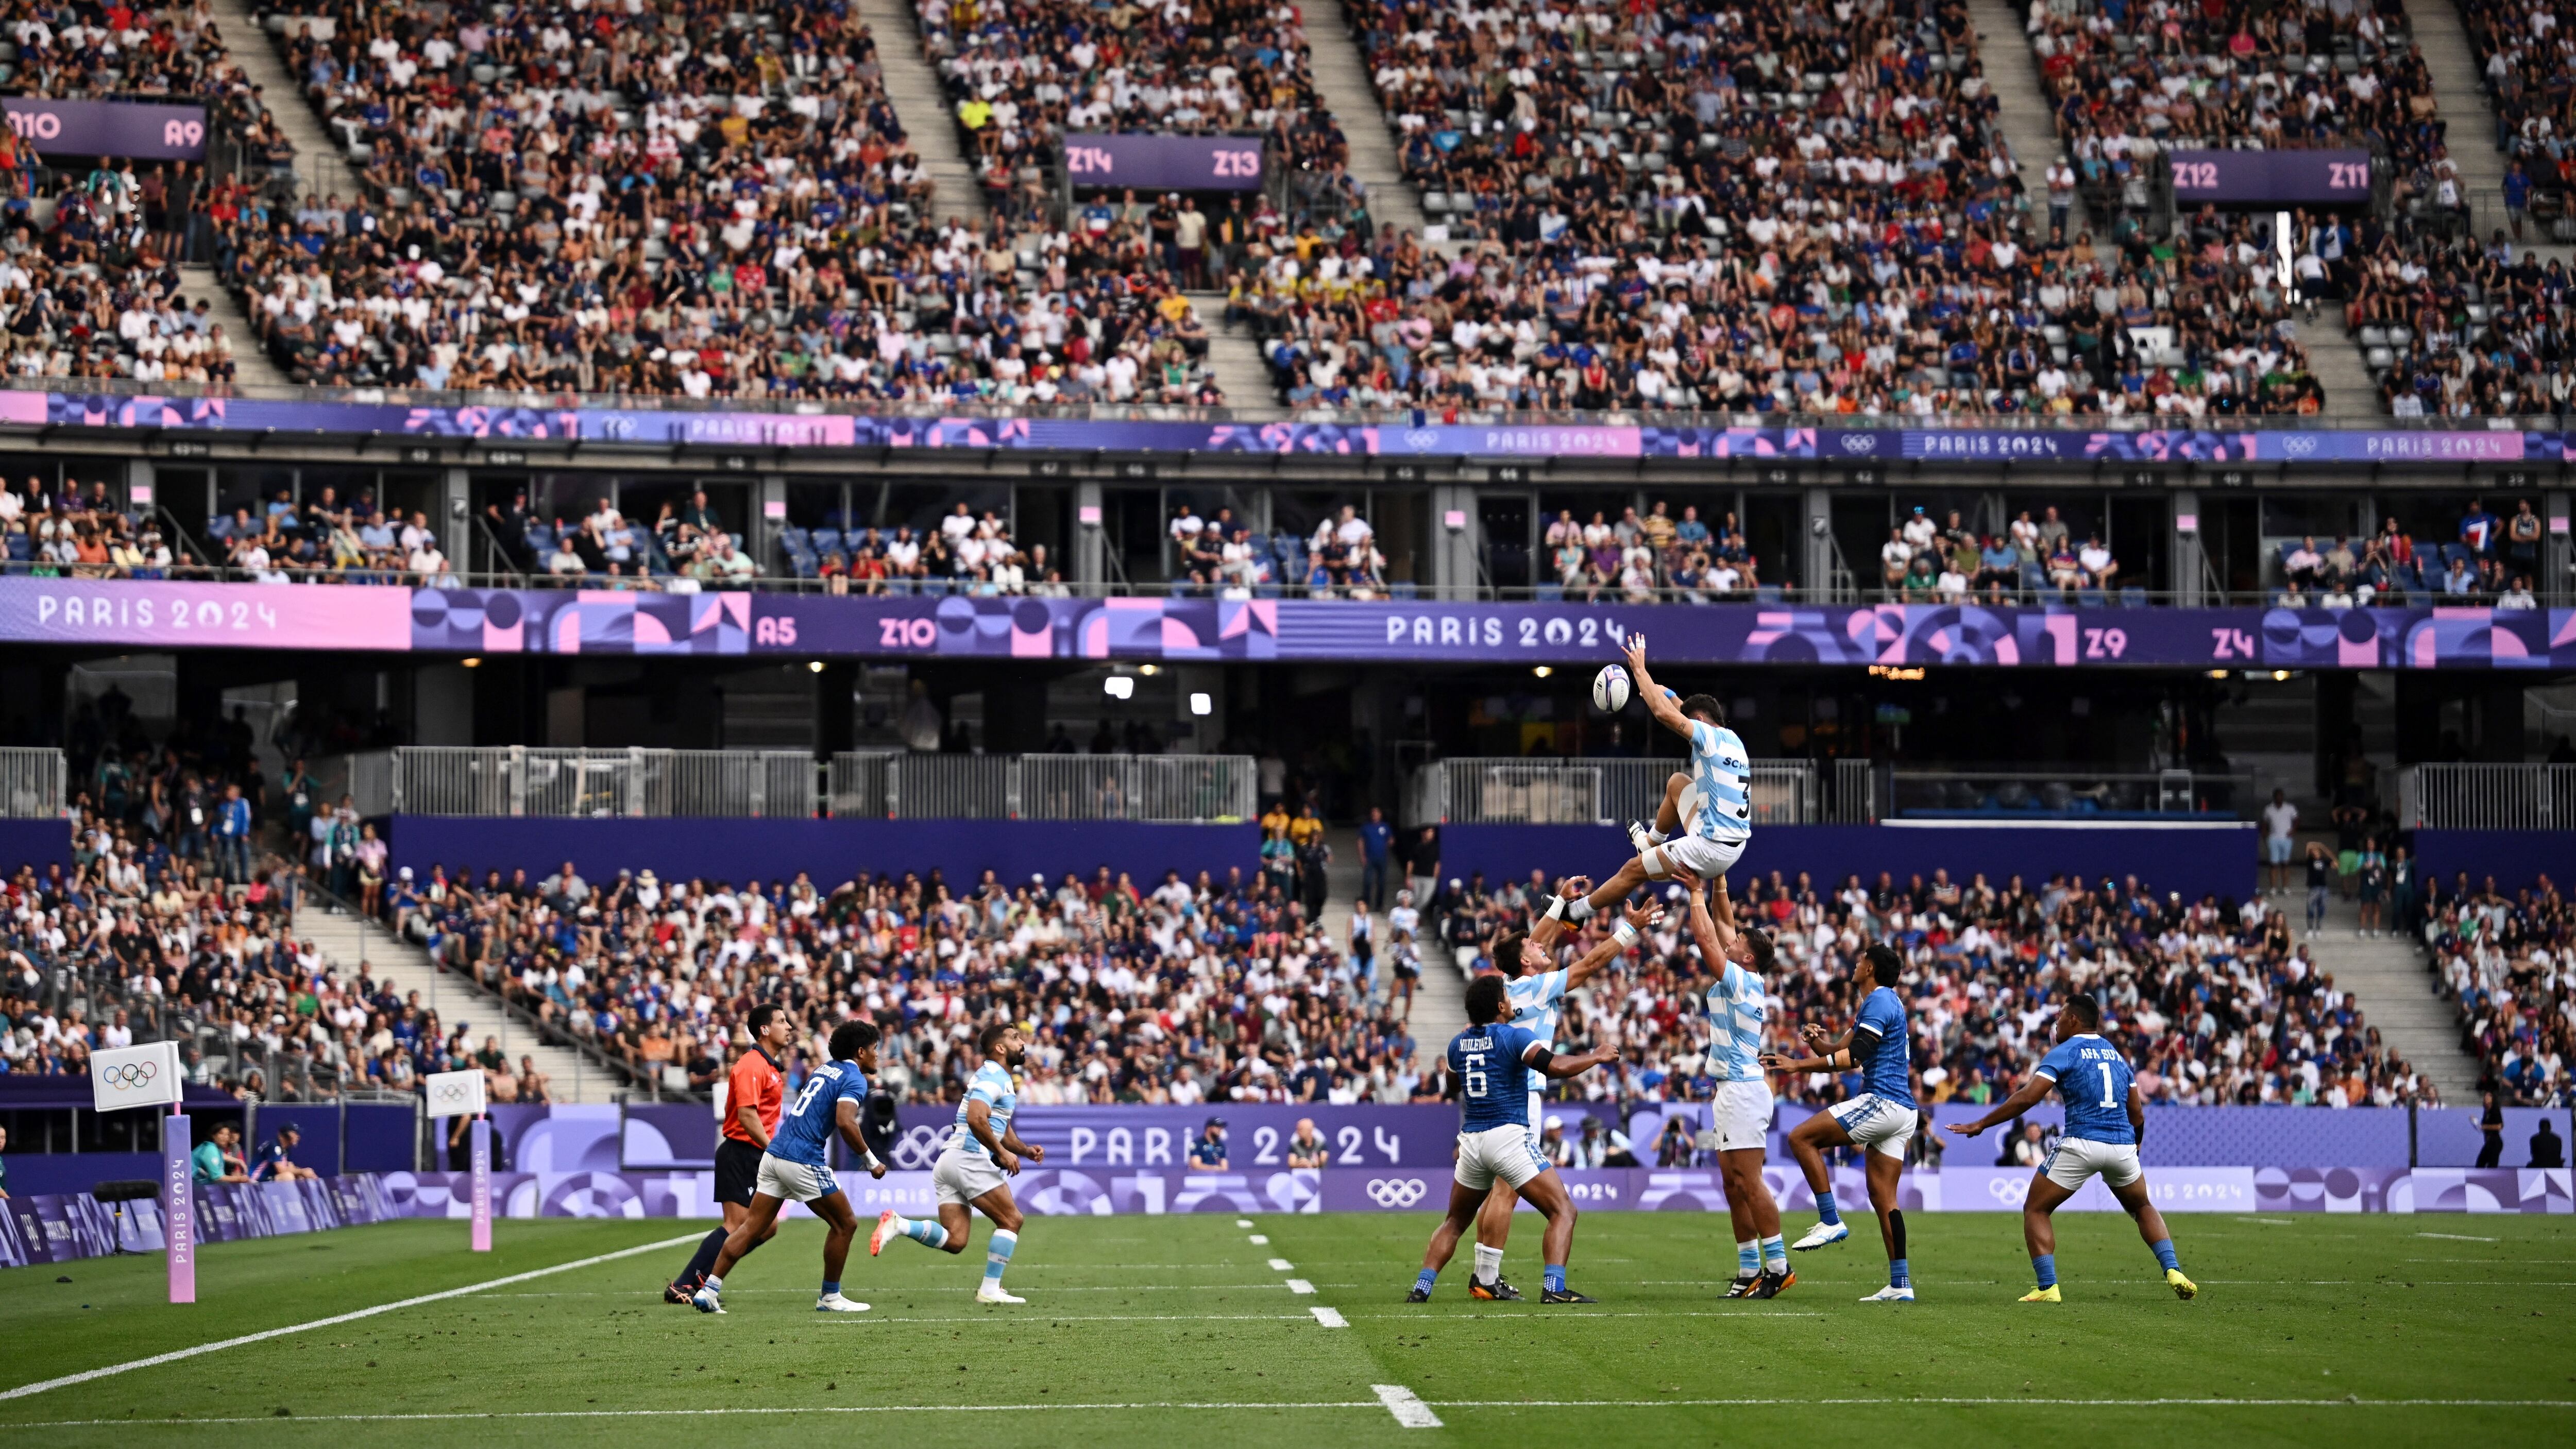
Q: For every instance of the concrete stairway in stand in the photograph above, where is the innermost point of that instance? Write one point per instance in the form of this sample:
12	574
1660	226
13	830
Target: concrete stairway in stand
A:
922	105
1440	999
2012	70
1236	358
2335	359
321	159
1341	77
2391	979
2460	94
348	940
251	366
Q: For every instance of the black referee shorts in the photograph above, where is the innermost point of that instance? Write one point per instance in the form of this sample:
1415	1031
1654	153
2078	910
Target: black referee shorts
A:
737	1170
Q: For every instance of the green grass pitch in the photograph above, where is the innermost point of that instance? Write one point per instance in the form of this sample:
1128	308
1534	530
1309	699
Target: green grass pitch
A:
2313	1330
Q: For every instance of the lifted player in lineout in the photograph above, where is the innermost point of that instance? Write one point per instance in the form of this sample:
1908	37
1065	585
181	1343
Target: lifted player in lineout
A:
1706	820
1533	996
1493	1061
798	1168
2106	1124
976	1167
1880	1119
1739	961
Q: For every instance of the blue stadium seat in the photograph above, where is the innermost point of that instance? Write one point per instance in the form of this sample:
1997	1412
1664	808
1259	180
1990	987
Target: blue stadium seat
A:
899	587
1551	593
826	540
1767	594
220	526
2089	597
793	537
1405	591
2133	597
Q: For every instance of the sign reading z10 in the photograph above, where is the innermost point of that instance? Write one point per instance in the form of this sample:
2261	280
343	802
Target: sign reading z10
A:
2271	178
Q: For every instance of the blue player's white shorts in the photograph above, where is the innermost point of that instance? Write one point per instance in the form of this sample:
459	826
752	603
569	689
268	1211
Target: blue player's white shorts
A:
1876	1123
1503	1152
2074	1160
1743	1115
1702	857
962	1177
795	1181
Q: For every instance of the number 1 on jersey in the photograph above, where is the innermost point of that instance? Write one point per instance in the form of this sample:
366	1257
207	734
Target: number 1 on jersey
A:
2106	1084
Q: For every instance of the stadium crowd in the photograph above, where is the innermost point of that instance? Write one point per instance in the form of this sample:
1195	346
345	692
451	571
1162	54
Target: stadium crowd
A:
2509	962
682	199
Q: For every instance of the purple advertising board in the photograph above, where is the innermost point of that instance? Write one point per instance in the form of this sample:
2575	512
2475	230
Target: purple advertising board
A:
892	627
2270	178
144	130
1164	163
1857	443
1256	1134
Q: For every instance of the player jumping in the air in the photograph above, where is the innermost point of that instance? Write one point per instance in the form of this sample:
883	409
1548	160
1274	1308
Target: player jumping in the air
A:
1738	960
1533	995
798	1168
1706	820
2106	1123
976	1167
751	1115
1492	1061
1880	1119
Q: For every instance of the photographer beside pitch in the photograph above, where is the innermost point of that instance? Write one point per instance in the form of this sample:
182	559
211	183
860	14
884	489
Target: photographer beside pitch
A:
2104	1130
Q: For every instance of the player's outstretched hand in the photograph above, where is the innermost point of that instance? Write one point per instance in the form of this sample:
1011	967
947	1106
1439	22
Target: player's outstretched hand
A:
1815	1033
1635	647
1773	1062
1646	914
1008	1160
877	1168
1035	1153
1687	881
1964	1129
1574	887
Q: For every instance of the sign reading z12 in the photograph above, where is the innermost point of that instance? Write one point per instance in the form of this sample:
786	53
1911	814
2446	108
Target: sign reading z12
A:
2271	178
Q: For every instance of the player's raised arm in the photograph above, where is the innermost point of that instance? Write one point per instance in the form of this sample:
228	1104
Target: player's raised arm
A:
1660	702
1639	919
1714	931
1572	891
2033	1090
845	1116
1834	1053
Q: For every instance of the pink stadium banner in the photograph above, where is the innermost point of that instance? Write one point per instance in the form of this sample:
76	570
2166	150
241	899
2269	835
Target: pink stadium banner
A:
203	615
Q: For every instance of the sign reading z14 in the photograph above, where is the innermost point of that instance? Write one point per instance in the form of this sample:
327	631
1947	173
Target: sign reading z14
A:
2270	178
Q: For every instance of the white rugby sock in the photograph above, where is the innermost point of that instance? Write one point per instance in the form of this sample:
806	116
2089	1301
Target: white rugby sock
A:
1489	1263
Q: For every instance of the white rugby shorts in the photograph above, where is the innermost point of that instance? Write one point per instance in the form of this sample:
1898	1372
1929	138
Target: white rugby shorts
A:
1702	857
962	1177
1503	1152
1743	1113
794	1181
2074	1160
1873	1122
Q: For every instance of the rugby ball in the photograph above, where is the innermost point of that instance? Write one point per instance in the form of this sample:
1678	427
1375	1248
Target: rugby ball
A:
1610	689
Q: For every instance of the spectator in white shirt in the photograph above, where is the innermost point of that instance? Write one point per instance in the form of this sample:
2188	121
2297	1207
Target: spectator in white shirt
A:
2096	561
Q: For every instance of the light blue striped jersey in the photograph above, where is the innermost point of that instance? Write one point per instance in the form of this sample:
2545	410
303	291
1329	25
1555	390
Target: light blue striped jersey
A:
1735	1006
993	1086
1722	778
1535	1002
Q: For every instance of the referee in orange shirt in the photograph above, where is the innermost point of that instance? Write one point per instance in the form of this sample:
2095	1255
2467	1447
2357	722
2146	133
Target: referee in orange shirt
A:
752	1094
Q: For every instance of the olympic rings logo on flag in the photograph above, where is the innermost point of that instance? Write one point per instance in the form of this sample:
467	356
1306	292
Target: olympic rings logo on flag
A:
131	1075
2010	1191
1396	1192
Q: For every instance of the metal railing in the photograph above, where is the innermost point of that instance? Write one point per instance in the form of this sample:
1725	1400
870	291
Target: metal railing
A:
2067	793
31	783
1591	790
1168	788
576	783
2487	797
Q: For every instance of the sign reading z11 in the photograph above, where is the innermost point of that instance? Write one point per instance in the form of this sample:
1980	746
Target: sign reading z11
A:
2271	178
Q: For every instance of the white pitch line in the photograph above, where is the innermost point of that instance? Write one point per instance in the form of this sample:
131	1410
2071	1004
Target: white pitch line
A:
1259	1240
1243	1222
86	1375
862	1322
2457	1237
175	1422
1409	1411
1281	1265
1329	1317
1300	1285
